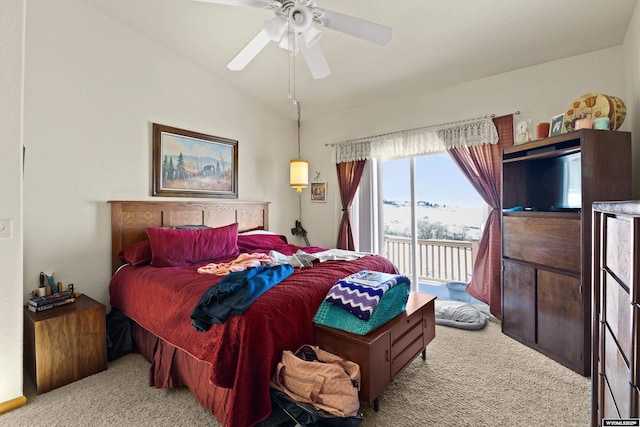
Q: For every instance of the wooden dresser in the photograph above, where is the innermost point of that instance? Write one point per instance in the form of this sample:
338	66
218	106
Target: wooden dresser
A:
616	309
384	352
65	344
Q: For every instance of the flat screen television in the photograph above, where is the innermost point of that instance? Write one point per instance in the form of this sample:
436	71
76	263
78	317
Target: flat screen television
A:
555	184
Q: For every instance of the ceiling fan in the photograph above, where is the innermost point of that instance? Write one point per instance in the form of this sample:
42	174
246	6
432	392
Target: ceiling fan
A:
292	28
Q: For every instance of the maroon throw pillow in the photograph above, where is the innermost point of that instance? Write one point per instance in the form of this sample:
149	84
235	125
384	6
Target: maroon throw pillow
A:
183	247
138	253
255	242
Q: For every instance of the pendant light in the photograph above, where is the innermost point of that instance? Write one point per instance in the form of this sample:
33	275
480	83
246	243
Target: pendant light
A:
298	169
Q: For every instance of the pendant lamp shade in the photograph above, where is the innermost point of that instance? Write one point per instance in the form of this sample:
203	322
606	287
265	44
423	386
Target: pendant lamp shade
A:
299	174
298	169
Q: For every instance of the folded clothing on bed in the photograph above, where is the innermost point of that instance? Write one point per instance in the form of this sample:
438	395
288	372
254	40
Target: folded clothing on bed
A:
361	292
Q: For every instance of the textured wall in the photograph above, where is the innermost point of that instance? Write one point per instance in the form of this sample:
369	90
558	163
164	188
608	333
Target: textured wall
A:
11	37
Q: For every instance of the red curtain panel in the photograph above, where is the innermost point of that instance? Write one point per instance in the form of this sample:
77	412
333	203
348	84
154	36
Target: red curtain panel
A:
482	165
349	175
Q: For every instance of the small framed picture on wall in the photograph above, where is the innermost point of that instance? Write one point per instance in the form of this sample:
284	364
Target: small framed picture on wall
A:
319	192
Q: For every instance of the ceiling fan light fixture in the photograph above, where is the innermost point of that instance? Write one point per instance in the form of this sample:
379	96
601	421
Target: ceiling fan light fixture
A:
314	58
292	28
287	42
312	36
275	28
300	19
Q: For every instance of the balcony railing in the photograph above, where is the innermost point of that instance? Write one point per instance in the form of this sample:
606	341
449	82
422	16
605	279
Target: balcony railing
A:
438	260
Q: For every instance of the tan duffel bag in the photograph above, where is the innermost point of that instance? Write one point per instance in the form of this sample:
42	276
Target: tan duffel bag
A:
315	376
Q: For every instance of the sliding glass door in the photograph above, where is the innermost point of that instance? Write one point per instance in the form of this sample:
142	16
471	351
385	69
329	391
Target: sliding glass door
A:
431	218
397	213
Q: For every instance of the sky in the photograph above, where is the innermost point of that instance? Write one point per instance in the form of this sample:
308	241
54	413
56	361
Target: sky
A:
438	180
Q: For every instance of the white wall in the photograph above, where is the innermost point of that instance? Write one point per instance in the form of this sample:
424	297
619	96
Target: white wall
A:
11	37
632	96
93	89
538	92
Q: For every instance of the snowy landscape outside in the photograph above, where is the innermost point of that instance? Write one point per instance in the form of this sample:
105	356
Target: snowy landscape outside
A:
448	207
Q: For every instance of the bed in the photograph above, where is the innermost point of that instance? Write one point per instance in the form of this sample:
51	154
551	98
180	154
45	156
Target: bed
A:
228	367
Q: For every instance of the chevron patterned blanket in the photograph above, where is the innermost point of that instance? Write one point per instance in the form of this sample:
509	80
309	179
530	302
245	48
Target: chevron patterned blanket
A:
361	292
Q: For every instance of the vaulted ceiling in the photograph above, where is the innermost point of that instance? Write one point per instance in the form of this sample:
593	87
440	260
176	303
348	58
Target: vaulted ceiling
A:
435	43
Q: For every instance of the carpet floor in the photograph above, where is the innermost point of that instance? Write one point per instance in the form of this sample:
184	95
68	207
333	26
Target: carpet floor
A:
470	378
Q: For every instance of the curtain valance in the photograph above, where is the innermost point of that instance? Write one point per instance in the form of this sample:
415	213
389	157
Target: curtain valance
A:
429	139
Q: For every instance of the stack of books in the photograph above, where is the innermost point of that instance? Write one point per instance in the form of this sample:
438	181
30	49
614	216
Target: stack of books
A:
51	301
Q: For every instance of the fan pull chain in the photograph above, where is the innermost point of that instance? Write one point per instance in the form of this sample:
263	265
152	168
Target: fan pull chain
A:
292	63
292	76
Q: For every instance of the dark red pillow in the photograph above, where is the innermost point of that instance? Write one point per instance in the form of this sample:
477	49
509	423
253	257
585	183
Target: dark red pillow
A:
260	242
183	247
138	253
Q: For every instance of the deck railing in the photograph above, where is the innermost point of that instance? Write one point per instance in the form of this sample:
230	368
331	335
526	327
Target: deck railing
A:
438	260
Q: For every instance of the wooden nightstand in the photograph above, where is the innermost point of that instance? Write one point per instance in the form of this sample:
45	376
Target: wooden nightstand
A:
384	352
66	343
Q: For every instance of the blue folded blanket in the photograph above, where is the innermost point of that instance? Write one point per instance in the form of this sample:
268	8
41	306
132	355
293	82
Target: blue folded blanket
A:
361	292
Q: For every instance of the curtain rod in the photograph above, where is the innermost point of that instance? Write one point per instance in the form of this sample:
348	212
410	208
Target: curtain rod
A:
515	113
333	144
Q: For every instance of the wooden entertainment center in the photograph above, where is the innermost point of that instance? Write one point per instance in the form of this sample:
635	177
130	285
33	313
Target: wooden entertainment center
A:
549	186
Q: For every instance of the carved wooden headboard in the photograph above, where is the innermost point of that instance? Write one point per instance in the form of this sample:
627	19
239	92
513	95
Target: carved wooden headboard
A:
130	219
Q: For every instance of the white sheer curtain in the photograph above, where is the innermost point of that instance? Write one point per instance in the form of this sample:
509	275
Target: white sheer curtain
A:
429	139
366	219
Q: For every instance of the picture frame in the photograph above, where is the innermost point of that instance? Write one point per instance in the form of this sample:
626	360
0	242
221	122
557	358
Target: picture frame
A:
193	164
318	192
556	125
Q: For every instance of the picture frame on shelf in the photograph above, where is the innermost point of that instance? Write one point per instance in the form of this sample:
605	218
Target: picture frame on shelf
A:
522	130
556	125
193	164
319	192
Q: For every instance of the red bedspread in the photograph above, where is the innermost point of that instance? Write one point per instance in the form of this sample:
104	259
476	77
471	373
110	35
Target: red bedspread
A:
243	351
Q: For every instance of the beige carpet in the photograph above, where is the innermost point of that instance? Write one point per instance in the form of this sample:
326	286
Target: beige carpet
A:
470	378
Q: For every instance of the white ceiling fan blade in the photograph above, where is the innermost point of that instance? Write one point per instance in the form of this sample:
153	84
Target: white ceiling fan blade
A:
367	30
248	3
250	51
314	58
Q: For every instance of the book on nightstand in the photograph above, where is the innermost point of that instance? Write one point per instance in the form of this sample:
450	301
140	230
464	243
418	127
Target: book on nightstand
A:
50	299
51	305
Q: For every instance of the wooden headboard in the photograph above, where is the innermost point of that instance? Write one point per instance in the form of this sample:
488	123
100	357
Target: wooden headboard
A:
130	219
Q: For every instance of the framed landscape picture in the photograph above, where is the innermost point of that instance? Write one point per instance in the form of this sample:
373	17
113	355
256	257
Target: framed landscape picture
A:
192	164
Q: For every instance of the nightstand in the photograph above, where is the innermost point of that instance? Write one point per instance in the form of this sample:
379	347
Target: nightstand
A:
384	352
66	343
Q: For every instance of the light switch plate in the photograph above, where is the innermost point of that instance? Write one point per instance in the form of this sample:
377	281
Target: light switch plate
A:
5	228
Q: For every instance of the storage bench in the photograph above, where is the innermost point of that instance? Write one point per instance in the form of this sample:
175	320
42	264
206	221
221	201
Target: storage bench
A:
384	352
